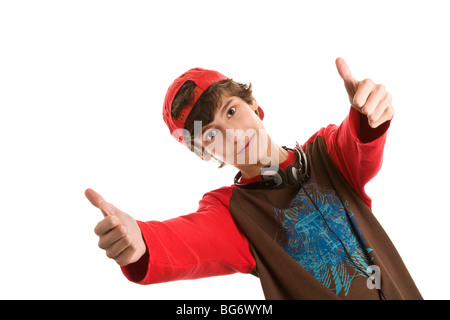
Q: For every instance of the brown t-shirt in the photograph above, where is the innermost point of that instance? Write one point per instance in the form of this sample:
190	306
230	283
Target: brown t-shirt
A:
299	257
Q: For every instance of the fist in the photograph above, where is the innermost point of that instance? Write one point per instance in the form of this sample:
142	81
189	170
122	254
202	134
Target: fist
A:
367	97
119	234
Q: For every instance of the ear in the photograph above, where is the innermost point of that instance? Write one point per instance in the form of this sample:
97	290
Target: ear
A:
254	105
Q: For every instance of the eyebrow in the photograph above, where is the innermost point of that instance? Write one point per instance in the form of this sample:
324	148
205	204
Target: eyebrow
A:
222	110
226	105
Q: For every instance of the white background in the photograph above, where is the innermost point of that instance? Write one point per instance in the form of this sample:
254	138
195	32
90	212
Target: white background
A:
81	90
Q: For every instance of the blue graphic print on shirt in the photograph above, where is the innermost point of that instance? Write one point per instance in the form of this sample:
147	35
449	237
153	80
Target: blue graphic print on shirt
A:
303	234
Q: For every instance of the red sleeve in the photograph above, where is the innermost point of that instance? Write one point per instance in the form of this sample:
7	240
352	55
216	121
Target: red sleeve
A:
201	244
356	149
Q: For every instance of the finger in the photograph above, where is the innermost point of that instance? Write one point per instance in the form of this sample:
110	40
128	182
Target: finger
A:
118	247
344	70
381	107
365	87
345	73
125	257
386	116
110	237
106	225
98	202
374	99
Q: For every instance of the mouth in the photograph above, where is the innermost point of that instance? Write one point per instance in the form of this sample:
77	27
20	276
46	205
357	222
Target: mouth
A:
246	147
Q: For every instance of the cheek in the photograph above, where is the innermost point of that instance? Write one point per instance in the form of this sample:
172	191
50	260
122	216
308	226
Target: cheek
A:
215	148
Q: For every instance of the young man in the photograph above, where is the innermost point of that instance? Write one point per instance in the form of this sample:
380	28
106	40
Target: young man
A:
299	218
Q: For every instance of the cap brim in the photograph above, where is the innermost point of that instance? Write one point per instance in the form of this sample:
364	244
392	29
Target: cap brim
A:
261	113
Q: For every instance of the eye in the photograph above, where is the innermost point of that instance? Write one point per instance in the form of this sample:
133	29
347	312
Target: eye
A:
210	134
231	111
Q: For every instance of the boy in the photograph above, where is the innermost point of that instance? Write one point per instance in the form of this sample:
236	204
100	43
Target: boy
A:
299	219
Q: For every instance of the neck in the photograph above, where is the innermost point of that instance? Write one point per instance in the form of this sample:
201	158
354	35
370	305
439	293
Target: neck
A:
277	156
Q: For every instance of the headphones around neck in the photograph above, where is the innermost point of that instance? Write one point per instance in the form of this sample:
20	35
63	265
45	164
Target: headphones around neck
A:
273	177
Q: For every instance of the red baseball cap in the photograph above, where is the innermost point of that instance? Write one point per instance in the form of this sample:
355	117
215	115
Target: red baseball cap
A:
203	78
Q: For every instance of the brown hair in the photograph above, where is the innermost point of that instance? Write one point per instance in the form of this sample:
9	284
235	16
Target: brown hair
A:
205	108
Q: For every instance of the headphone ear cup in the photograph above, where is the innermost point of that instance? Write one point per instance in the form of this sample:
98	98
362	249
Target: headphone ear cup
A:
278	176
292	175
304	175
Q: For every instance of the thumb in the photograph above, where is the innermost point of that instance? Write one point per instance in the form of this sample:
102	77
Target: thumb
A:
346	75
98	202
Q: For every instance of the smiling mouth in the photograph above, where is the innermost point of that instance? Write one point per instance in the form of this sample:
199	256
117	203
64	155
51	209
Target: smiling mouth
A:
246	147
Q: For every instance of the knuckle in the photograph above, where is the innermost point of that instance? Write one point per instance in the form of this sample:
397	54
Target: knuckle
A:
101	244
372	122
125	257
122	230
381	87
368	81
113	221
107	224
389	96
364	110
357	102
121	261
110	254
96	230
100	227
127	241
391	111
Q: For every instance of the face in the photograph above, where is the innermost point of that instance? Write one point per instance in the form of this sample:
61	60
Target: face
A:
236	136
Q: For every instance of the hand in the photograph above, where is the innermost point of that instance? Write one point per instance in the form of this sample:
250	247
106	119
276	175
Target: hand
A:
119	233
367	97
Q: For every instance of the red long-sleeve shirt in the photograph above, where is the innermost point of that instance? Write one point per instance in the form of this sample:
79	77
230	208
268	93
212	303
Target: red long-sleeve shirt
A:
208	242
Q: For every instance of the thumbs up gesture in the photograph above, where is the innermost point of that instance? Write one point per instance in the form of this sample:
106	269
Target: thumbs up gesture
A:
119	233
366	96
